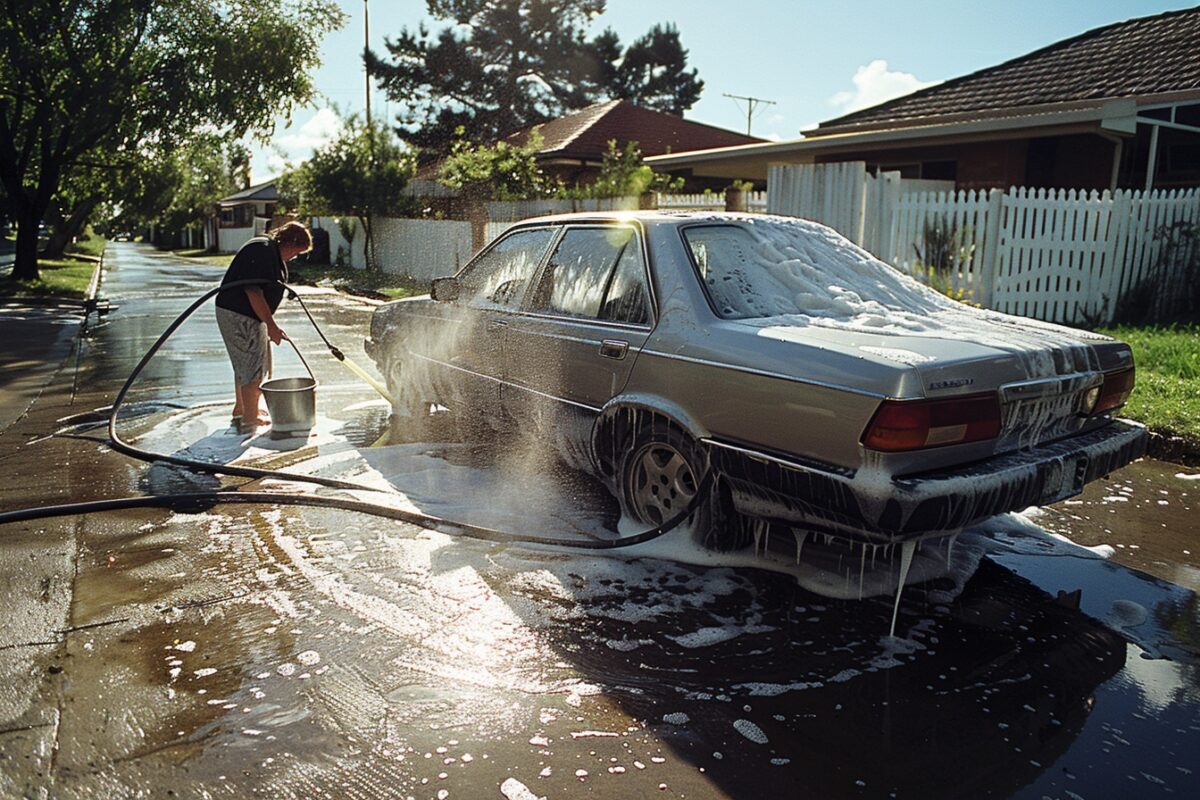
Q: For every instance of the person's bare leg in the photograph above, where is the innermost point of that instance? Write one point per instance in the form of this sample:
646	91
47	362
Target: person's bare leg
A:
253	411
237	400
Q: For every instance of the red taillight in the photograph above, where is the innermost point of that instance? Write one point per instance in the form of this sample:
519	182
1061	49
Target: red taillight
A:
914	424
1115	391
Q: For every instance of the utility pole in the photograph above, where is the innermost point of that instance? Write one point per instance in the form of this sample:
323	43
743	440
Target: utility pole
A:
366	47
752	103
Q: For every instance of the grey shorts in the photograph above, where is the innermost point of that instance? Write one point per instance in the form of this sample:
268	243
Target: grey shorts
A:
248	346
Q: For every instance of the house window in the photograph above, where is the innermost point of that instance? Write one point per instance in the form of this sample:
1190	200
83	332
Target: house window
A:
1182	158
940	170
907	170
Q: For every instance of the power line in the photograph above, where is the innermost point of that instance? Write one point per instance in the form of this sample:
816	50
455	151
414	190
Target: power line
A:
752	103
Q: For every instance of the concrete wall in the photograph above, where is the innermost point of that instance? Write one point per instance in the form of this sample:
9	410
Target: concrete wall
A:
230	239
420	249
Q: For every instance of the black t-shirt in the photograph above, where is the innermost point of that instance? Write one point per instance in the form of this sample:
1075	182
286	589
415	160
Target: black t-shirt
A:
257	258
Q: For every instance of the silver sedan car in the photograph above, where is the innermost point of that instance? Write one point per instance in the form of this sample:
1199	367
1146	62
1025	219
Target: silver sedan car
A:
821	388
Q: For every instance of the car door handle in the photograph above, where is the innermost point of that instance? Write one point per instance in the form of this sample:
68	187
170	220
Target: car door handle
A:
614	349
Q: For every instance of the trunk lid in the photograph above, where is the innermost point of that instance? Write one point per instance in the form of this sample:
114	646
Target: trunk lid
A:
1042	372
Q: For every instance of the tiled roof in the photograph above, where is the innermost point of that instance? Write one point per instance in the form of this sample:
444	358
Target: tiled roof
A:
263	193
1135	58
586	133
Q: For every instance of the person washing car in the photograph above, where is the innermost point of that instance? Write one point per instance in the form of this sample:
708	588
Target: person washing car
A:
246	315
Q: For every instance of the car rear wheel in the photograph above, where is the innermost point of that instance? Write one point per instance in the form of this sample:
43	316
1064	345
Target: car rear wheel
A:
660	475
661	482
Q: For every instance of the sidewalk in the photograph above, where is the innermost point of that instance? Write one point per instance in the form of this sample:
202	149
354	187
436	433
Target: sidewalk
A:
35	343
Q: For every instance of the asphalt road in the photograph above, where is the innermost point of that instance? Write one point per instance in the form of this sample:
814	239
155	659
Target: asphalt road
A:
280	652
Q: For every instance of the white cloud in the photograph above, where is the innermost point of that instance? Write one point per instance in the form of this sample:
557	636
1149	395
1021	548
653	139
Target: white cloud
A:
874	83
318	130
293	144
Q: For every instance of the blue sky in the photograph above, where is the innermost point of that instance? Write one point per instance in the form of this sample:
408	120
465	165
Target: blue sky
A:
814	59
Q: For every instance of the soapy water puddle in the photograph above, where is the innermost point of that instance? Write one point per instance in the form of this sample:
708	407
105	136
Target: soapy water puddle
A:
457	665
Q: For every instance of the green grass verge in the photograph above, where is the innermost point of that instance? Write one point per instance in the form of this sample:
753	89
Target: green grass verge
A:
65	278
1166	397
90	244
361	281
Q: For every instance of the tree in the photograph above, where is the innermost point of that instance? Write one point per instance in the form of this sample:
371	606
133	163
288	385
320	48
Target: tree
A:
506	64
89	83
496	172
623	174
178	189
362	172
653	72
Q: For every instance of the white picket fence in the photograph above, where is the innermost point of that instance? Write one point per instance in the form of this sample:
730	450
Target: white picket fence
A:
1058	255
708	201
513	211
1062	256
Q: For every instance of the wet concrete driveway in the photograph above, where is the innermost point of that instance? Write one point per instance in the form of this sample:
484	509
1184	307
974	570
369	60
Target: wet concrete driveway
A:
243	651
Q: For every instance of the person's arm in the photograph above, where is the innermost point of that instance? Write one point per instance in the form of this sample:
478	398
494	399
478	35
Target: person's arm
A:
263	311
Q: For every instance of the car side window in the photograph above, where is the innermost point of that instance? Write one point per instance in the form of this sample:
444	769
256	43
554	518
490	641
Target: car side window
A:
628	298
726	260
497	279
580	273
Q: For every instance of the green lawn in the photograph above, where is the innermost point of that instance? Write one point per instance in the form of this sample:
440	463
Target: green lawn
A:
65	278
90	244
1167	395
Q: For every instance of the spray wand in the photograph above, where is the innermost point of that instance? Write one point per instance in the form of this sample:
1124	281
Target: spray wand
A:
338	354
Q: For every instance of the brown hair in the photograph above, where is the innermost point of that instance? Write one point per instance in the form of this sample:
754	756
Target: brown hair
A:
292	233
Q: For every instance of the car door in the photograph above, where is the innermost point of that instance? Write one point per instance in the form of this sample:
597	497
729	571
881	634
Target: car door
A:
584	323
468	344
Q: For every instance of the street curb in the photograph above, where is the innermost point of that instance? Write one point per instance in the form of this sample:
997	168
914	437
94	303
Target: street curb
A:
1175	449
89	296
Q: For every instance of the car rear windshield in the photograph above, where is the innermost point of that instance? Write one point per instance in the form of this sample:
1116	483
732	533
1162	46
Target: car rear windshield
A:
774	267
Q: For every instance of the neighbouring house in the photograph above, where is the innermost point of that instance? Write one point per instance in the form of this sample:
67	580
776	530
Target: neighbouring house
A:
573	146
1115	107
243	215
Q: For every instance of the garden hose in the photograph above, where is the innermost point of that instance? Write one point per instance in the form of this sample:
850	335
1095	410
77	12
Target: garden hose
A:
196	501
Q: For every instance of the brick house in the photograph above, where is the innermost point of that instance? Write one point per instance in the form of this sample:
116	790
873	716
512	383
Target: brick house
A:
1115	107
573	145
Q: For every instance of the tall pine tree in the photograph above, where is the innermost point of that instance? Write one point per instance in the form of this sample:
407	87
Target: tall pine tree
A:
501	65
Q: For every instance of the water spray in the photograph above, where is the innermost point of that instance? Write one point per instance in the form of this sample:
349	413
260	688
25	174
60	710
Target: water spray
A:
196	501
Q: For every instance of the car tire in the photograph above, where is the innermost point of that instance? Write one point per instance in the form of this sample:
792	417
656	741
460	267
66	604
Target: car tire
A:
410	413
659	474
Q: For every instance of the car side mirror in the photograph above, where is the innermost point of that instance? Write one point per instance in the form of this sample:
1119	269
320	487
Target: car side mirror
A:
444	289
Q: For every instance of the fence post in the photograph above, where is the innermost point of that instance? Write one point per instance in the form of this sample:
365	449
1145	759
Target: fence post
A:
1115	261
991	247
882	207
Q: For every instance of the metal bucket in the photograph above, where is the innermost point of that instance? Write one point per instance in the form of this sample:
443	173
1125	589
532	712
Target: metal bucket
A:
292	402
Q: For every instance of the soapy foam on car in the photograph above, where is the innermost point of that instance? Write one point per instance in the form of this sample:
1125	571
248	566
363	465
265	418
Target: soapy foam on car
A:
797	273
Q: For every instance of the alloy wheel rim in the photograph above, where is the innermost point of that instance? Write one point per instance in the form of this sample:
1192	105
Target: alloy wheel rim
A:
661	483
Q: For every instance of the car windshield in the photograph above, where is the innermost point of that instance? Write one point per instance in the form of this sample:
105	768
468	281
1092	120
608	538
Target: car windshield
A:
774	267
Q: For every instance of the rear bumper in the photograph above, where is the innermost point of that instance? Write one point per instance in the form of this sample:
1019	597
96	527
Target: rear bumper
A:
878	509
